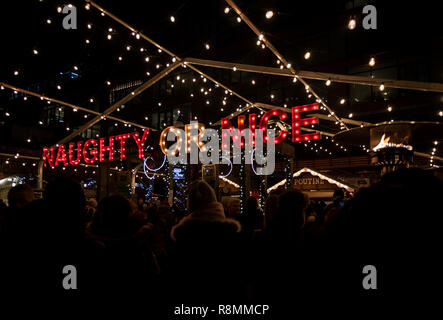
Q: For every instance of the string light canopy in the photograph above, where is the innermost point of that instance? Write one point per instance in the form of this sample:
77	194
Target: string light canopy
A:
247	105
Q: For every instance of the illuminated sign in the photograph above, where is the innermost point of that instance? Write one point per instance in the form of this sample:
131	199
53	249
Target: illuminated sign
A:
93	150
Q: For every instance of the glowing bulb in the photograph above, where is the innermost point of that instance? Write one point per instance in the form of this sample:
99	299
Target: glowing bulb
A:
147	59
109	37
261	36
89	26
342	101
35	51
350	115
87	7
307	55
48	21
382	87
351	24
238	19
372	61
269	14
328	82
207	46
87	41
389	109
227	9
172	18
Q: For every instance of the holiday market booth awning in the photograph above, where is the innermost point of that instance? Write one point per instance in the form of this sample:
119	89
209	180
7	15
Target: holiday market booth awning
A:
314	183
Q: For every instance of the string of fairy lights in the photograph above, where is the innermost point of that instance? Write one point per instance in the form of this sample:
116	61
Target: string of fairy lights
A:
205	91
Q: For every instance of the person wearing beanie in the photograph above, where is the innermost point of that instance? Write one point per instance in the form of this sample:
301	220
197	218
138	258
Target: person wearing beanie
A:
207	249
204	209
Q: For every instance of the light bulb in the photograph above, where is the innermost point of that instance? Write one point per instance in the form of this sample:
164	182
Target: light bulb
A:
342	101
227	9
351	24
372	61
147	59
238	19
269	14
389	109
328	82
307	55
207	46
382	87
350	115
172	18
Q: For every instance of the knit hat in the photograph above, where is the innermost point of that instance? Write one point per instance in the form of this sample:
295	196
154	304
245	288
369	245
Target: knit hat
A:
200	193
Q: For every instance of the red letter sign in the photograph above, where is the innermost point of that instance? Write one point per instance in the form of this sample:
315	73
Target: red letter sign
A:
297	123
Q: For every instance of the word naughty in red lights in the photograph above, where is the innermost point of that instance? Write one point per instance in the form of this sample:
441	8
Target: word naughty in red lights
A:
92	150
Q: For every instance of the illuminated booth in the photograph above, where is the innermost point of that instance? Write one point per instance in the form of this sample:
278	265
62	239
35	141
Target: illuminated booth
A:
316	185
393	144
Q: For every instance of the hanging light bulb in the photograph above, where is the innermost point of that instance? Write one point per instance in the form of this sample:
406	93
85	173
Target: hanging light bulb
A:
342	101
352	23
382	87
350	115
238	19
227	9
269	14
207	46
172	18
389	109
307	55
328	82
372	61
35	51
147	59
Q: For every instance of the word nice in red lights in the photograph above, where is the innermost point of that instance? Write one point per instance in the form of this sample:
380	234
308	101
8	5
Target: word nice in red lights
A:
93	150
297	123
